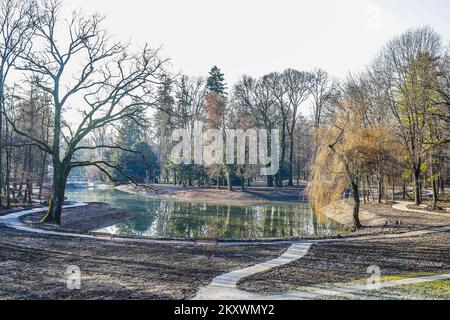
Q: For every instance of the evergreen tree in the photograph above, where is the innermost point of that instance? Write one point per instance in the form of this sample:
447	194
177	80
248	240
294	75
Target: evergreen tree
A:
164	123
141	166
216	82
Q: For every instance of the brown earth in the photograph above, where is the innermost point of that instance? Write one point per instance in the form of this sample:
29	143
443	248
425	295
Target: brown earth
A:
348	261
82	219
34	267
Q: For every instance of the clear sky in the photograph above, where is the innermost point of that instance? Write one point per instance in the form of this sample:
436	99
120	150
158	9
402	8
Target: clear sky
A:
259	36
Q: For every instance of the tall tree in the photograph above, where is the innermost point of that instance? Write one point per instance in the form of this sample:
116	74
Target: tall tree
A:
165	123
216	105
257	96
280	92
298	87
112	82
399	72
216	82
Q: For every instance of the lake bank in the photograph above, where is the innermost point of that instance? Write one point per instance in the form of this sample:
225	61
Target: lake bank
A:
252	195
84	219
383	218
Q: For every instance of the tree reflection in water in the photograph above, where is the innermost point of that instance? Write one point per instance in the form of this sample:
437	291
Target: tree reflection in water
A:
172	219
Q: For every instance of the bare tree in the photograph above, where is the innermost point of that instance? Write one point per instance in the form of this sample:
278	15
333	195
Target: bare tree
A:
14	38
298	87
400	72
324	92
257	96
279	92
111	84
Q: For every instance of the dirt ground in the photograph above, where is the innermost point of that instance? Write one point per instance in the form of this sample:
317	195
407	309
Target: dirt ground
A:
405	219
379	219
82	219
34	267
348	261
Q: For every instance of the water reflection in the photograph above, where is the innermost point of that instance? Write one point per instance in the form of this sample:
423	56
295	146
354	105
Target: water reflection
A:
163	218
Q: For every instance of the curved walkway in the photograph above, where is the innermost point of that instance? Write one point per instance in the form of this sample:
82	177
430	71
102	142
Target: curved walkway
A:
13	221
403	206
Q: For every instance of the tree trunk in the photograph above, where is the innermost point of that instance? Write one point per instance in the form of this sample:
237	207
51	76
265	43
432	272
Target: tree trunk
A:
8	159
435	194
369	190
30	191
356	206
2	102
7	181
417	189
393	188
218	181
291	162
42	175
241	171
57	200
279	175
270	181
404	190
380	191
434	185
228	177
364	192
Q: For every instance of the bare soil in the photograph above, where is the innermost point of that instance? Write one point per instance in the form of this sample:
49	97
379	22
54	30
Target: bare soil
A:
348	261
82	219
379	219
403	219
34	267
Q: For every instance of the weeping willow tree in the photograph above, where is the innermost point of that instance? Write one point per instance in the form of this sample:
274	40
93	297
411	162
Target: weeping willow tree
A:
350	150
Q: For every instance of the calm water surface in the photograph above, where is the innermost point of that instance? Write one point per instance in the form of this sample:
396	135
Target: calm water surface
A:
167	218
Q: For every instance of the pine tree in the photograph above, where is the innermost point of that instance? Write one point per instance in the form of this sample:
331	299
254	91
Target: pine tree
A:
216	82
164	123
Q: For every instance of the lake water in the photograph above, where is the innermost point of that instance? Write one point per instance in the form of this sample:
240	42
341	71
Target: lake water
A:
173	219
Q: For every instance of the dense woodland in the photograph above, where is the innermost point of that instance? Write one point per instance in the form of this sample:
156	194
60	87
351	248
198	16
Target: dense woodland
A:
381	133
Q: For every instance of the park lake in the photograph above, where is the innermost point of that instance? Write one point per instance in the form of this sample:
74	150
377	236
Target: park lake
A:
158	218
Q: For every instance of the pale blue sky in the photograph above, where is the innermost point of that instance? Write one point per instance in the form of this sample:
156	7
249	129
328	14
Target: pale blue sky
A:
260	36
